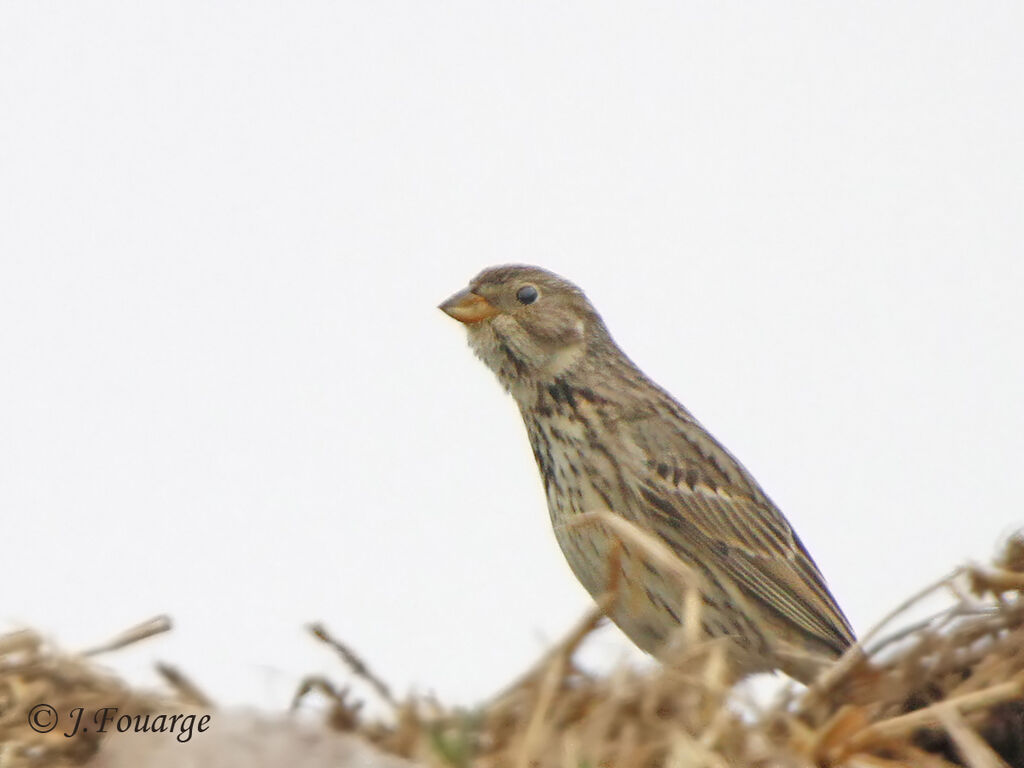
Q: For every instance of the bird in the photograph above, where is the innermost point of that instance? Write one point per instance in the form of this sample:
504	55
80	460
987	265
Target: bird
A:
614	447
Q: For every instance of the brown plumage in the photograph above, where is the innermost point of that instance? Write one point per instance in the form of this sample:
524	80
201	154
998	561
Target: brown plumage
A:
609	440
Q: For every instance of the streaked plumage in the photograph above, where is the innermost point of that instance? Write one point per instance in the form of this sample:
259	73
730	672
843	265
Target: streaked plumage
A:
608	439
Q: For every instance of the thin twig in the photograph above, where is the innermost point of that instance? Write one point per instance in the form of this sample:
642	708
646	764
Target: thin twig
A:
855	654
184	685
155	626
969	744
354	663
903	725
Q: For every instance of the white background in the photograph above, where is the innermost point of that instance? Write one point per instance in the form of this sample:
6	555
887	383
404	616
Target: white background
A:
227	393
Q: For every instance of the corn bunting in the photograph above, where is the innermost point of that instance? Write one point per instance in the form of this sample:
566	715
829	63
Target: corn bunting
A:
608	440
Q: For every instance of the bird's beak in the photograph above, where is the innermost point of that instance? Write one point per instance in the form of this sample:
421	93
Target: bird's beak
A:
468	307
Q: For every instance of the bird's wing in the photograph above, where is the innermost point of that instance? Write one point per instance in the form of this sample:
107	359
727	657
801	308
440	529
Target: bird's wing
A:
712	510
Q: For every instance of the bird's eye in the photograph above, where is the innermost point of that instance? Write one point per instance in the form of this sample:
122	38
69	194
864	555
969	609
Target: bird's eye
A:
527	294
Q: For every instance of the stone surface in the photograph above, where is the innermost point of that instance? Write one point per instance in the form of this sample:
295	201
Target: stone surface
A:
244	740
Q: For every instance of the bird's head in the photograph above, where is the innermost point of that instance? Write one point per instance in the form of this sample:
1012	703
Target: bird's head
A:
528	325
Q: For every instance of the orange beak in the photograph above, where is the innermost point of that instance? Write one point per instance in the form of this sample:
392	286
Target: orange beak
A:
467	307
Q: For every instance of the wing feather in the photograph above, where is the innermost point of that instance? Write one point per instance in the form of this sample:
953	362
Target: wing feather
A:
708	502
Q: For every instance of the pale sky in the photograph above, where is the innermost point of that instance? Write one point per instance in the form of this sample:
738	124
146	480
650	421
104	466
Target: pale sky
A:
228	394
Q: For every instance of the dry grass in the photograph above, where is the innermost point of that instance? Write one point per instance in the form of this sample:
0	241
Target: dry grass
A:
941	692
32	672
947	691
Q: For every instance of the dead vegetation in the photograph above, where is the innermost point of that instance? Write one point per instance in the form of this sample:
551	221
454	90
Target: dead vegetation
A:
941	692
946	691
35	676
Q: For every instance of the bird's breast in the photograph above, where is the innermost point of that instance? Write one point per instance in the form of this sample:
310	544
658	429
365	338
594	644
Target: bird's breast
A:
576	464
